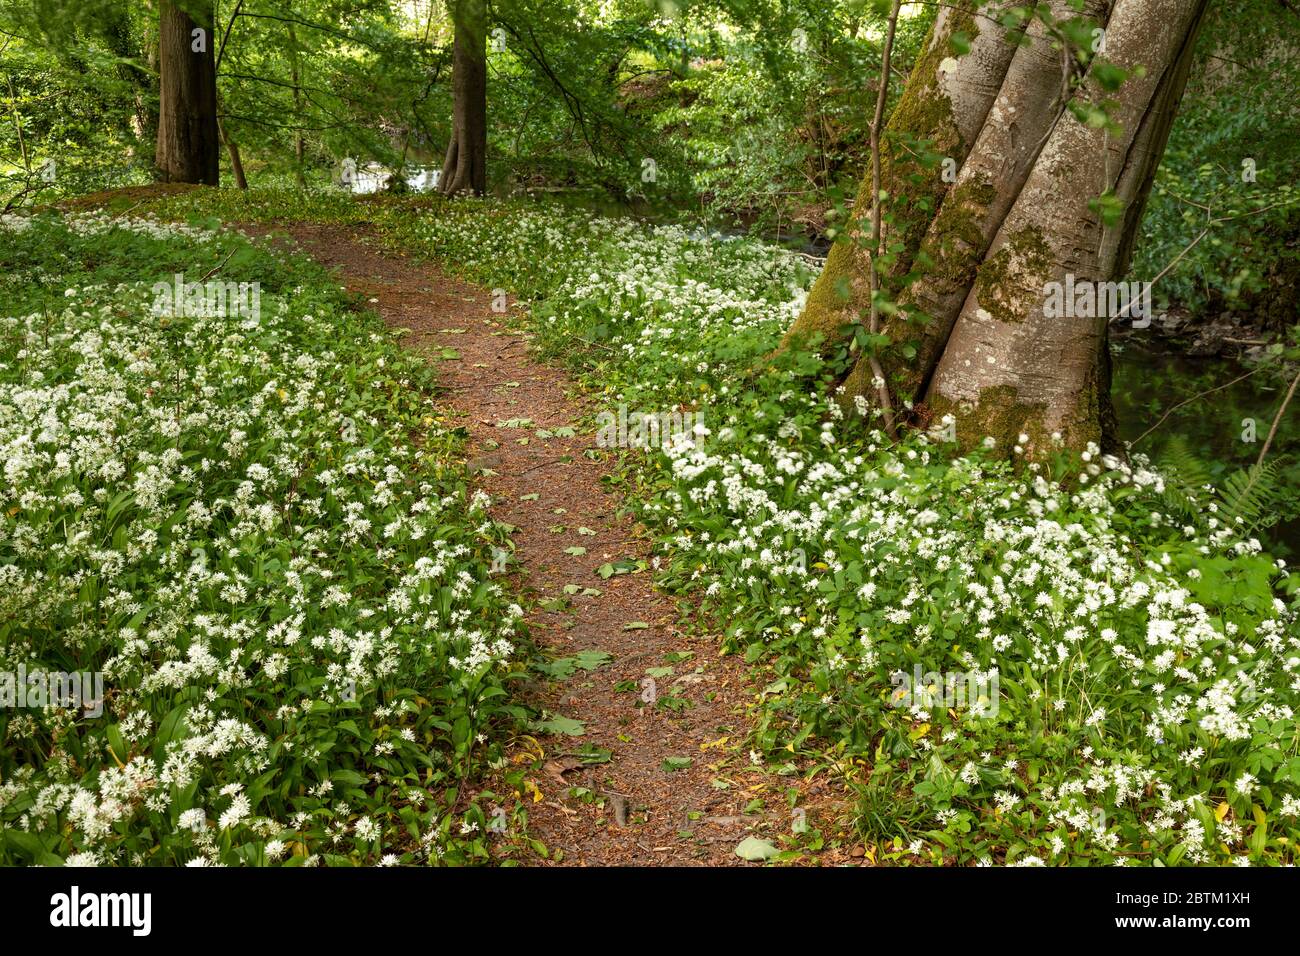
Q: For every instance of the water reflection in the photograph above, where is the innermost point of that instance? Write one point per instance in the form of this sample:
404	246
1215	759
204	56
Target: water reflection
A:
368	178
1225	429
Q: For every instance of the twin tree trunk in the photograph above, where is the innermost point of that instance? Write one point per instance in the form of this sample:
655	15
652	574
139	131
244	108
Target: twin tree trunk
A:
981	247
188	141
465	167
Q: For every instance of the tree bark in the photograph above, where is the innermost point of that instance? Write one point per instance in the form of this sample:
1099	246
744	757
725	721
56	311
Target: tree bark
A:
236	162
465	166
956	240
188	140
971	336
945	102
1008	368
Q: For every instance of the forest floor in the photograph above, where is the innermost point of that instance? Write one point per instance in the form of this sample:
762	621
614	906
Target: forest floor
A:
669	783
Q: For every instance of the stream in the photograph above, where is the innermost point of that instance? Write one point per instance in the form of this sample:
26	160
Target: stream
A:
1226	429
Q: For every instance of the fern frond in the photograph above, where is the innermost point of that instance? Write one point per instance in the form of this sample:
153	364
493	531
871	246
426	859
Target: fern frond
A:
1186	475
1251	494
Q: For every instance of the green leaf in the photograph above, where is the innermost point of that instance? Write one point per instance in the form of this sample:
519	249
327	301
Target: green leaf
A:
561	725
117	744
755	849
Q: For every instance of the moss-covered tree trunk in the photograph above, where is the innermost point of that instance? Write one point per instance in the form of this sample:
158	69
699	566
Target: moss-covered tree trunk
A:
972	335
945	102
465	166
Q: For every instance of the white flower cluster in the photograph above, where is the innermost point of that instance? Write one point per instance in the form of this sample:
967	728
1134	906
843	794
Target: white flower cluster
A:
215	517
648	290
1144	644
1011	573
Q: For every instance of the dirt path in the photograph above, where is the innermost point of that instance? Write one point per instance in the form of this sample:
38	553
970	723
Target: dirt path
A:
677	780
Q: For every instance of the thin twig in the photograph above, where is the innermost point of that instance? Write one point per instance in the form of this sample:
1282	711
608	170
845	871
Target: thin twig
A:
1164	272
128	209
213	271
1272	432
1217	388
882	93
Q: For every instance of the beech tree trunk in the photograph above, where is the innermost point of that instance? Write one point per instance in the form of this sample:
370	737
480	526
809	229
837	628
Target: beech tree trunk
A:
971	337
465	166
945	102
188	140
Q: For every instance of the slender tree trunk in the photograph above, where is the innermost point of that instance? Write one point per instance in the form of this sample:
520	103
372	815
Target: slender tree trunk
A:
298	145
684	99
465	167
972	255
188	140
236	163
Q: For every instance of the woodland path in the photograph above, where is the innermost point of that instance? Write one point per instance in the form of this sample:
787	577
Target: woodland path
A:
637	809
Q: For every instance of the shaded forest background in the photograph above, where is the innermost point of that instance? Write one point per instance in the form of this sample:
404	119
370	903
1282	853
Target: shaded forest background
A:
735	115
